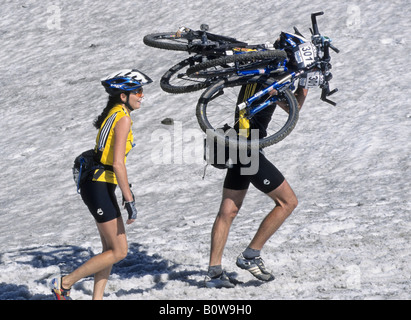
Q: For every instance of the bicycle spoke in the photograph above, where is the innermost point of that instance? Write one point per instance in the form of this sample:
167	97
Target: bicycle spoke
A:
221	109
218	107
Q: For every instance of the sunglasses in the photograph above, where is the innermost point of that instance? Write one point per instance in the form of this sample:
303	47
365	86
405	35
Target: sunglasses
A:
138	92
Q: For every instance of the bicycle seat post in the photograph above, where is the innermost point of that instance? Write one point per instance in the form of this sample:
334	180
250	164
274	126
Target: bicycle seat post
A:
204	27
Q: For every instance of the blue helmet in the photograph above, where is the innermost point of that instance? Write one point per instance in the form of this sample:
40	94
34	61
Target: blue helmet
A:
125	81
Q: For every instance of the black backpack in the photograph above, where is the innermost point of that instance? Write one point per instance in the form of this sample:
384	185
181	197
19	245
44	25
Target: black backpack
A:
217	155
84	166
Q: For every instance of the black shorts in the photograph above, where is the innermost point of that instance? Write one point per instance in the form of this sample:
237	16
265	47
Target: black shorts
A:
100	198
267	178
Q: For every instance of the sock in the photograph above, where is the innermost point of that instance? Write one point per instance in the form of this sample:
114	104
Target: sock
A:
250	253
214	271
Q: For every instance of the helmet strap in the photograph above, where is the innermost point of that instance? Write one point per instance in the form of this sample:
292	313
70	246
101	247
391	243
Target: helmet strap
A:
127	103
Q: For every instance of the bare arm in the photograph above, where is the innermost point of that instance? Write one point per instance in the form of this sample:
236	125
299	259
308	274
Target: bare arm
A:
300	95
121	132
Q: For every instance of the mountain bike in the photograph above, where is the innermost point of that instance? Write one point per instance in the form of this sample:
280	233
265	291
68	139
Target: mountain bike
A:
308	63
205	46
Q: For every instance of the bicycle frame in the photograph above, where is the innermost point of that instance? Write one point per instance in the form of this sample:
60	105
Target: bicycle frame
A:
211	44
279	86
322	63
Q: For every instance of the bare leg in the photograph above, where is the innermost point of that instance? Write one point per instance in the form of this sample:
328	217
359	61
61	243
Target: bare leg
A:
101	277
114	249
230	205
286	202
100	281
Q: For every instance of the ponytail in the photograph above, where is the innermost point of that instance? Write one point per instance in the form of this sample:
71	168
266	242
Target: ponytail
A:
112	101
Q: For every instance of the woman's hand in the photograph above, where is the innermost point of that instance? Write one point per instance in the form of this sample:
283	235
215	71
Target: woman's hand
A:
131	210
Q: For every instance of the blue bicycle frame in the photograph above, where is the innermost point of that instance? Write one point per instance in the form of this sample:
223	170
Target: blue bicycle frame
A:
305	60
278	85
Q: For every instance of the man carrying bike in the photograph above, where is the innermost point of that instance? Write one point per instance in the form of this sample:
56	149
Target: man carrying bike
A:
269	180
261	80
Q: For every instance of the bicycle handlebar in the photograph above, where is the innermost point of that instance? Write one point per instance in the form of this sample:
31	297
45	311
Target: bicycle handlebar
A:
325	65
314	21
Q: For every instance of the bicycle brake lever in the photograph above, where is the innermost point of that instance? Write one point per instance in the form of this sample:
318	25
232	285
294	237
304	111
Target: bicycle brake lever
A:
326	93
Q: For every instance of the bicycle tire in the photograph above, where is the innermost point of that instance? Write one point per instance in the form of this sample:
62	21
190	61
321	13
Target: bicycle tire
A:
227	70
175	82
241	58
169	41
205	113
155	40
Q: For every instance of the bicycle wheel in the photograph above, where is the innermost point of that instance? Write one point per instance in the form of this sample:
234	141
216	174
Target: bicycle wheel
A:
225	70
217	108
213	67
191	41
176	81
166	40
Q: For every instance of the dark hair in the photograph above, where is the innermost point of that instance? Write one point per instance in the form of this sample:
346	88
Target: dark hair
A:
112	101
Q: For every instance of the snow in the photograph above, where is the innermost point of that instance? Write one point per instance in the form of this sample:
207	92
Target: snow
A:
349	165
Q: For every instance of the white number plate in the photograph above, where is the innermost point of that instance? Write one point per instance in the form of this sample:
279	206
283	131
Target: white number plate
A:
312	79
305	55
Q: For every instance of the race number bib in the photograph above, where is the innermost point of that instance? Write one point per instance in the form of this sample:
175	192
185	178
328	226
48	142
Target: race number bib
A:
312	79
305	55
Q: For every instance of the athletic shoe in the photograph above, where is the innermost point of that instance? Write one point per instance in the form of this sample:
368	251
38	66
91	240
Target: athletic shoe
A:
58	291
220	281
256	267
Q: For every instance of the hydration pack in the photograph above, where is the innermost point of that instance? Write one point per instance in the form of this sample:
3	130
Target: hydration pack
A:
84	166
216	154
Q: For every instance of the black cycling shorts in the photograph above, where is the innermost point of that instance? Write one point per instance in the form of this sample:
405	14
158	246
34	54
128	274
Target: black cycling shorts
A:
100	198
267	178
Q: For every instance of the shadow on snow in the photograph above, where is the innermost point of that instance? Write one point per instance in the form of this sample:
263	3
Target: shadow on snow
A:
137	264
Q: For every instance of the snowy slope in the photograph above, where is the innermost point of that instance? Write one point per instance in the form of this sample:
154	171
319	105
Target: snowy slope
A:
349	165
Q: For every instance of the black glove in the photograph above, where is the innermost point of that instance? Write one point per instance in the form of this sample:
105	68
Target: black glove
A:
131	209
130	206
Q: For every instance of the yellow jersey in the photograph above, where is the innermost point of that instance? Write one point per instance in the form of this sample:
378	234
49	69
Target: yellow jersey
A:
105	144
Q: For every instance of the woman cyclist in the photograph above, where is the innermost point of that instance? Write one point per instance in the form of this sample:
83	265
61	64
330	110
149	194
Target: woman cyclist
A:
113	143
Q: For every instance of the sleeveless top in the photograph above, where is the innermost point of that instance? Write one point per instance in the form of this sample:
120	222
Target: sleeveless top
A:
105	144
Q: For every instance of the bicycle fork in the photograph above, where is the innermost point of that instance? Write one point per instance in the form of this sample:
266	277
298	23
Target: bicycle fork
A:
278	86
